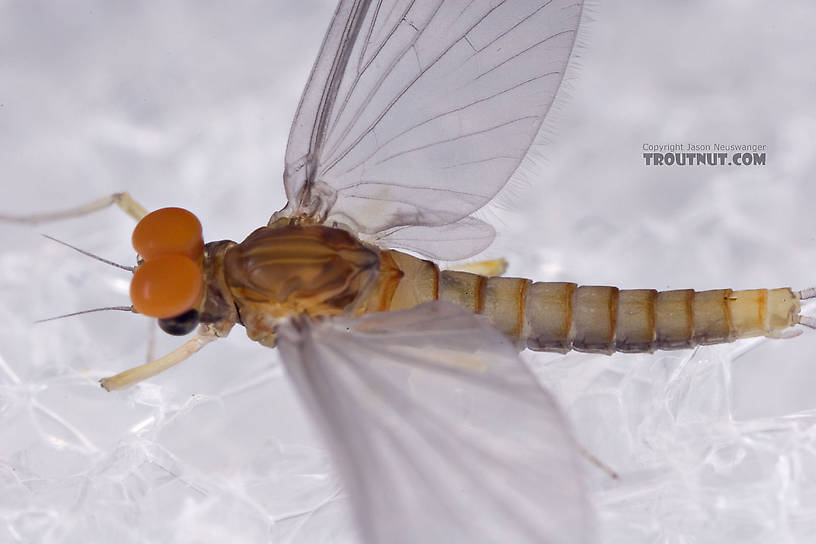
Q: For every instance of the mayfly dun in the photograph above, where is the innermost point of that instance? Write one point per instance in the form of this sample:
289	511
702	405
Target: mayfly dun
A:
414	117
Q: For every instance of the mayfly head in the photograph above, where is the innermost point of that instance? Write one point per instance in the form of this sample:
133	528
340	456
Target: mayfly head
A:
168	282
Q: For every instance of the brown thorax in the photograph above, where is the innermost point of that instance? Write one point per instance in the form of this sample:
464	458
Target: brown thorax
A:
285	269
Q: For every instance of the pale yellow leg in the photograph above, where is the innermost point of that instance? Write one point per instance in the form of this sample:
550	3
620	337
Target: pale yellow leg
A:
493	267
123	200
147	370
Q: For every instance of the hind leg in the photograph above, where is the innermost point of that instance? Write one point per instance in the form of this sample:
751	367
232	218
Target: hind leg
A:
494	267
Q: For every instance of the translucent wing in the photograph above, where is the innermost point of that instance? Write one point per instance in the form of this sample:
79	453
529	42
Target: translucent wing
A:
418	111
439	430
453	241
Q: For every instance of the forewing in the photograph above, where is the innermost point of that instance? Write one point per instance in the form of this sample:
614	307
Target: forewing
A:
439	430
418	111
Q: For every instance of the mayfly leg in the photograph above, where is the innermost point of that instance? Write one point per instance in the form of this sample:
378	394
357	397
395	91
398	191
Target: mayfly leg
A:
124	201
493	267
147	370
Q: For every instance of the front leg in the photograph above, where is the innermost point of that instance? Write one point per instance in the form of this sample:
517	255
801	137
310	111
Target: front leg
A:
147	370
125	202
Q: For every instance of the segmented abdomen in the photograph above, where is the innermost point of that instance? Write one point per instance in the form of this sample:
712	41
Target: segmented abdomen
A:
545	316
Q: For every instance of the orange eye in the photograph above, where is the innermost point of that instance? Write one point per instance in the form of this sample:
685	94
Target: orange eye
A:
166	286
168	230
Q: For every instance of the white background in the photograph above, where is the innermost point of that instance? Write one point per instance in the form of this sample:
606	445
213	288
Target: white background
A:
189	103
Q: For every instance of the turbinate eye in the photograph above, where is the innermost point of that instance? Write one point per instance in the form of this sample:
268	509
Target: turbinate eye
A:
166	286
168	231
181	324
169	282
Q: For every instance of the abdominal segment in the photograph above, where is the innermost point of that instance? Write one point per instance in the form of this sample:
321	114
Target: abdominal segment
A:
555	316
564	316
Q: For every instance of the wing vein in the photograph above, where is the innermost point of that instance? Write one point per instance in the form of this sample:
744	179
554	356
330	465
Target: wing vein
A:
329	93
402	92
423	187
439	116
439	432
360	72
455	138
527	50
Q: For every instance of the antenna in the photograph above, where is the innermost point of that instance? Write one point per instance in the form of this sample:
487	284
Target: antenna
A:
120	308
91	255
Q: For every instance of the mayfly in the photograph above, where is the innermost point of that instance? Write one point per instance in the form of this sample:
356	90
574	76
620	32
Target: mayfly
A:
415	115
